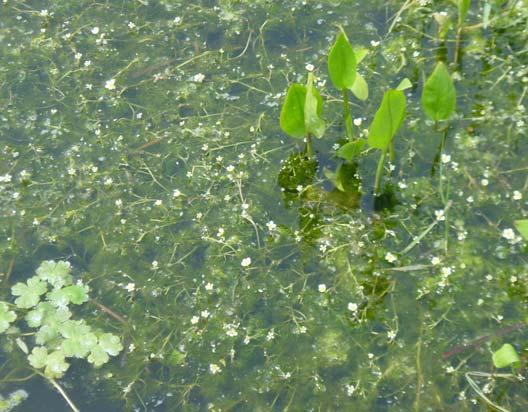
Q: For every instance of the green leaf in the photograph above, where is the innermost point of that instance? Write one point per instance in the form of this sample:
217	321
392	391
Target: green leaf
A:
292	113
98	356
522	227
463	8
505	356
55	362
108	344
29	293
351	149
342	63
56	273
404	85
51	321
76	294
360	88
46	313
79	339
360	53
6	317
387	119
439	94
312	110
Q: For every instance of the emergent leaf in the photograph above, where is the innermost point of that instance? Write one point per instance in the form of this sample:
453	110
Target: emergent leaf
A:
312	110
29	293
351	149
522	227
342	63
439	94
505	356
387	119
360	88
292	113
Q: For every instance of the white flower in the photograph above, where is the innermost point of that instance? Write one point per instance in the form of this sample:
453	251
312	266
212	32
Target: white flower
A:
270	335
95	30
389	257
446	158
131	25
154	265
5	178
110	84
245	262
322	288
130	287
435	260
508	234
214	369
439	215
517	195
353	307
158	202
198	78
205	314
209	286
484	182
446	271
309	67
358	121
195	320
391	335
271	225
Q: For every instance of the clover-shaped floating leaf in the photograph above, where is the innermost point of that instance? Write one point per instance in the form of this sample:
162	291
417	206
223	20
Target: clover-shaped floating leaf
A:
56	273
46	313
79	339
51	323
54	362
29	293
108	344
76	294
6	317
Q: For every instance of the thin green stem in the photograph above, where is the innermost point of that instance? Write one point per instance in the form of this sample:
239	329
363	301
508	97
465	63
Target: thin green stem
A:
309	146
379	172
346	115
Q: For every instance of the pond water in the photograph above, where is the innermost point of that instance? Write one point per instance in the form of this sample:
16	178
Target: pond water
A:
140	142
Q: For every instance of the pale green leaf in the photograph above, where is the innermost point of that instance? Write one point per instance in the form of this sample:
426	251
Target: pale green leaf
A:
38	357
56	273
404	85
6	317
360	88
522	227
292	113
463	8
79	339
387	119
312	108
98	356
351	149
342	63
360	53
29	293
76	294
439	94
54	362
110	343
505	356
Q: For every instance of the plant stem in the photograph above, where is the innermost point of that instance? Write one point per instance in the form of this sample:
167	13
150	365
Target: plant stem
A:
309	146
379	172
346	115
61	391
457	44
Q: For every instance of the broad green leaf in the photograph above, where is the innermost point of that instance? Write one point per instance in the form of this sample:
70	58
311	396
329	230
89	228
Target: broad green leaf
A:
79	339
351	149
313	123
110	344
54	362
505	356
56	273
76	294
51	323
463	8
38	357
522	227
342	63
360	53
387	119
98	356
292	113
404	85
46	313
439	94
6	317
360	88
29	293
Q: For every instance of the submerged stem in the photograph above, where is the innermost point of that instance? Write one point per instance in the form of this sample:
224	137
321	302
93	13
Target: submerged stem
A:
379	172
309	146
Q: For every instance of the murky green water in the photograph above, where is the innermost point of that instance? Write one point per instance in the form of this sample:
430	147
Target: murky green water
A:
140	142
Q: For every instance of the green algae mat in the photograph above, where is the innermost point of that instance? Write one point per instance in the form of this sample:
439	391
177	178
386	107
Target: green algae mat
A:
231	205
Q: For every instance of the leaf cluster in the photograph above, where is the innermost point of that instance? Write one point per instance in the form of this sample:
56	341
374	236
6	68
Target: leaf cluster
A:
46	299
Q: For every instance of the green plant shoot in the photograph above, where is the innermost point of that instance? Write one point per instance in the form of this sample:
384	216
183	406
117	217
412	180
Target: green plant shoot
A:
301	113
439	94
522	227
463	8
383	128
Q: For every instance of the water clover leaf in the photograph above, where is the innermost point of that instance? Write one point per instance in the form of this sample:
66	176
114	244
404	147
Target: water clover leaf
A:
56	273
76	294
79	339
108	344
312	110
292	113
29	293
505	356
439	94
387	119
342	63
6	317
51	323
522	227
55	362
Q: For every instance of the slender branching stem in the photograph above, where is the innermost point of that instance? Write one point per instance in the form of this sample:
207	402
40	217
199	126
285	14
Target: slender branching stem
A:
379	172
